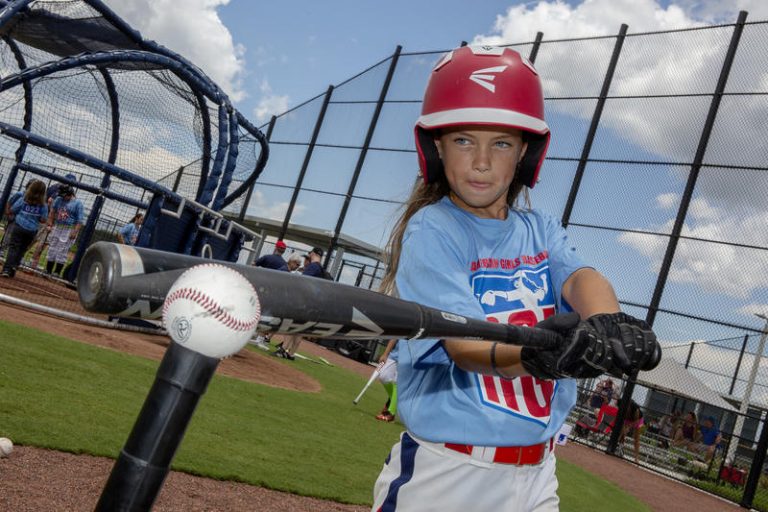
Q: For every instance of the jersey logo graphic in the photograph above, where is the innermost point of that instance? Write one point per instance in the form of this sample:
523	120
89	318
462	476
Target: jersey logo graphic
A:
523	297
526	397
484	80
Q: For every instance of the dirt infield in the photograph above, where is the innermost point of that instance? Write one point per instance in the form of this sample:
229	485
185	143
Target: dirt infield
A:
30	476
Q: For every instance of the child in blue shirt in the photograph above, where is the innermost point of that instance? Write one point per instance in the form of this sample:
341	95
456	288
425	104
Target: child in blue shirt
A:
129	233
480	416
29	212
65	220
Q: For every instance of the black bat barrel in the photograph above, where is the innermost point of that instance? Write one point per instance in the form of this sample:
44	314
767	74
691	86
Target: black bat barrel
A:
126	281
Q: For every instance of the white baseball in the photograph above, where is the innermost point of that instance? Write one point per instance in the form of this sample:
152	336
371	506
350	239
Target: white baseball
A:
6	447
211	309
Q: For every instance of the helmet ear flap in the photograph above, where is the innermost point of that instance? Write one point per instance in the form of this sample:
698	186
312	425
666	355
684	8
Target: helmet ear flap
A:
429	159
528	169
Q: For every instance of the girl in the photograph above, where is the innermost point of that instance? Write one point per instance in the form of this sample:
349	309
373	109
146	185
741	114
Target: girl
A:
480	416
29	212
65	220
129	233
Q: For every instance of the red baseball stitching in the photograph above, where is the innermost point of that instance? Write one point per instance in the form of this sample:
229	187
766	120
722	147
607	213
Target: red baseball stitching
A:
209	305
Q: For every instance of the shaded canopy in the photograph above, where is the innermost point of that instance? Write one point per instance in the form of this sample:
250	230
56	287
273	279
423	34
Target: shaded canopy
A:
672	377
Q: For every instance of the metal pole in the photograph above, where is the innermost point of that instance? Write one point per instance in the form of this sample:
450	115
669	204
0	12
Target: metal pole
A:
738	364
585	151
363	153
757	467
748	391
305	164
693	175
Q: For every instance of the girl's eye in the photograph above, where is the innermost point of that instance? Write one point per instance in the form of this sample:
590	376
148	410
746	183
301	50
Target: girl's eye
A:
461	141
503	144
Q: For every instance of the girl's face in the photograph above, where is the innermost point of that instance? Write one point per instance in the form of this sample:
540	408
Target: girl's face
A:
480	164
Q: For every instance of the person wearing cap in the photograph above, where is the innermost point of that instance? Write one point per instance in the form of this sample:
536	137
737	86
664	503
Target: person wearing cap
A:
64	222
40	244
312	265
312	268
710	438
275	261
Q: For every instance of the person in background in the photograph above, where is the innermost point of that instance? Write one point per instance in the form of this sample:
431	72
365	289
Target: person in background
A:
312	268
29	212
10	224
41	240
275	260
633	423
64	221
688	434
388	378
710	438
129	234
294	263
312	265
668	427
602	395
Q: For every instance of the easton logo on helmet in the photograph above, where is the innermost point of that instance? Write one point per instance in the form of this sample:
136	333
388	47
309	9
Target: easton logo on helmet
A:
480	77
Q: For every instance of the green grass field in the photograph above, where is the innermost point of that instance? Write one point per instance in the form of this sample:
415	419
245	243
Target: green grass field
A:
78	398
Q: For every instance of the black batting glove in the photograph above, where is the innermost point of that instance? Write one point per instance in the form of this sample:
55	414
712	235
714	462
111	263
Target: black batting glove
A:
632	341
562	361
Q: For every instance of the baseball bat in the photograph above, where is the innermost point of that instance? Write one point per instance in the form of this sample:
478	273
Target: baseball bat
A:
374	376
121	280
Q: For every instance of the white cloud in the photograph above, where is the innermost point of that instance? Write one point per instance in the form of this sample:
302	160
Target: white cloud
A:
751	309
710	266
193	30
667	201
270	104
261	204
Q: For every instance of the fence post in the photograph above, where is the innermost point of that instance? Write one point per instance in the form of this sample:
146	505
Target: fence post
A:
363	153
738	364
756	469
594	125
674	236
305	164
248	194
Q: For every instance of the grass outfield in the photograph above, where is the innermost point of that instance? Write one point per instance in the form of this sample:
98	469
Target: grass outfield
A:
78	398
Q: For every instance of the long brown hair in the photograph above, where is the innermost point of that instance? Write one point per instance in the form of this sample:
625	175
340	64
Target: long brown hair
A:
35	193
422	195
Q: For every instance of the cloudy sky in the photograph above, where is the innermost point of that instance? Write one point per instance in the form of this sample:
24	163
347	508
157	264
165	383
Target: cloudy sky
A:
269	56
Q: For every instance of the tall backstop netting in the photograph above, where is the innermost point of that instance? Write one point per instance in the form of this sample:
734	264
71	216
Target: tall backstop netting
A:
656	167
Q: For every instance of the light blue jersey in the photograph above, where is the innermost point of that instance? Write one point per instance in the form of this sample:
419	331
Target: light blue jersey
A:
29	216
502	270
130	233
68	213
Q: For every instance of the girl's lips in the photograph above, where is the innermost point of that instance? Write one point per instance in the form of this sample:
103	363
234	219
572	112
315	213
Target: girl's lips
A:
478	184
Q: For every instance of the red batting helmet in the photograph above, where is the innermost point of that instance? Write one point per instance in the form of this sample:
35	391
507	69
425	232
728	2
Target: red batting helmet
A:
483	85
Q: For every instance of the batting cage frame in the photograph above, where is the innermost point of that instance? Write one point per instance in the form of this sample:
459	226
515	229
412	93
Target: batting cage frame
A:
105	48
